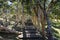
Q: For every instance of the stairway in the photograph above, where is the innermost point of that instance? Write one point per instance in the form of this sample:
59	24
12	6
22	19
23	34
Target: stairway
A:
31	33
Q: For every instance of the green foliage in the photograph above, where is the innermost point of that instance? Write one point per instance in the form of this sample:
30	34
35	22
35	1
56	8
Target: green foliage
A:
29	4
1	4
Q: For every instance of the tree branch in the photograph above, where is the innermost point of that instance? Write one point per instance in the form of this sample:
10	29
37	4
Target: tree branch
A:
8	31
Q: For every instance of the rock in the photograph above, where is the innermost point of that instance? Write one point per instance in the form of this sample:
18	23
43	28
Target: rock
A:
1	38
20	36
1	19
12	22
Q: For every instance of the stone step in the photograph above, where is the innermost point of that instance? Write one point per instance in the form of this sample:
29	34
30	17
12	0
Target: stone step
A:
30	36
29	27
32	31
36	34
